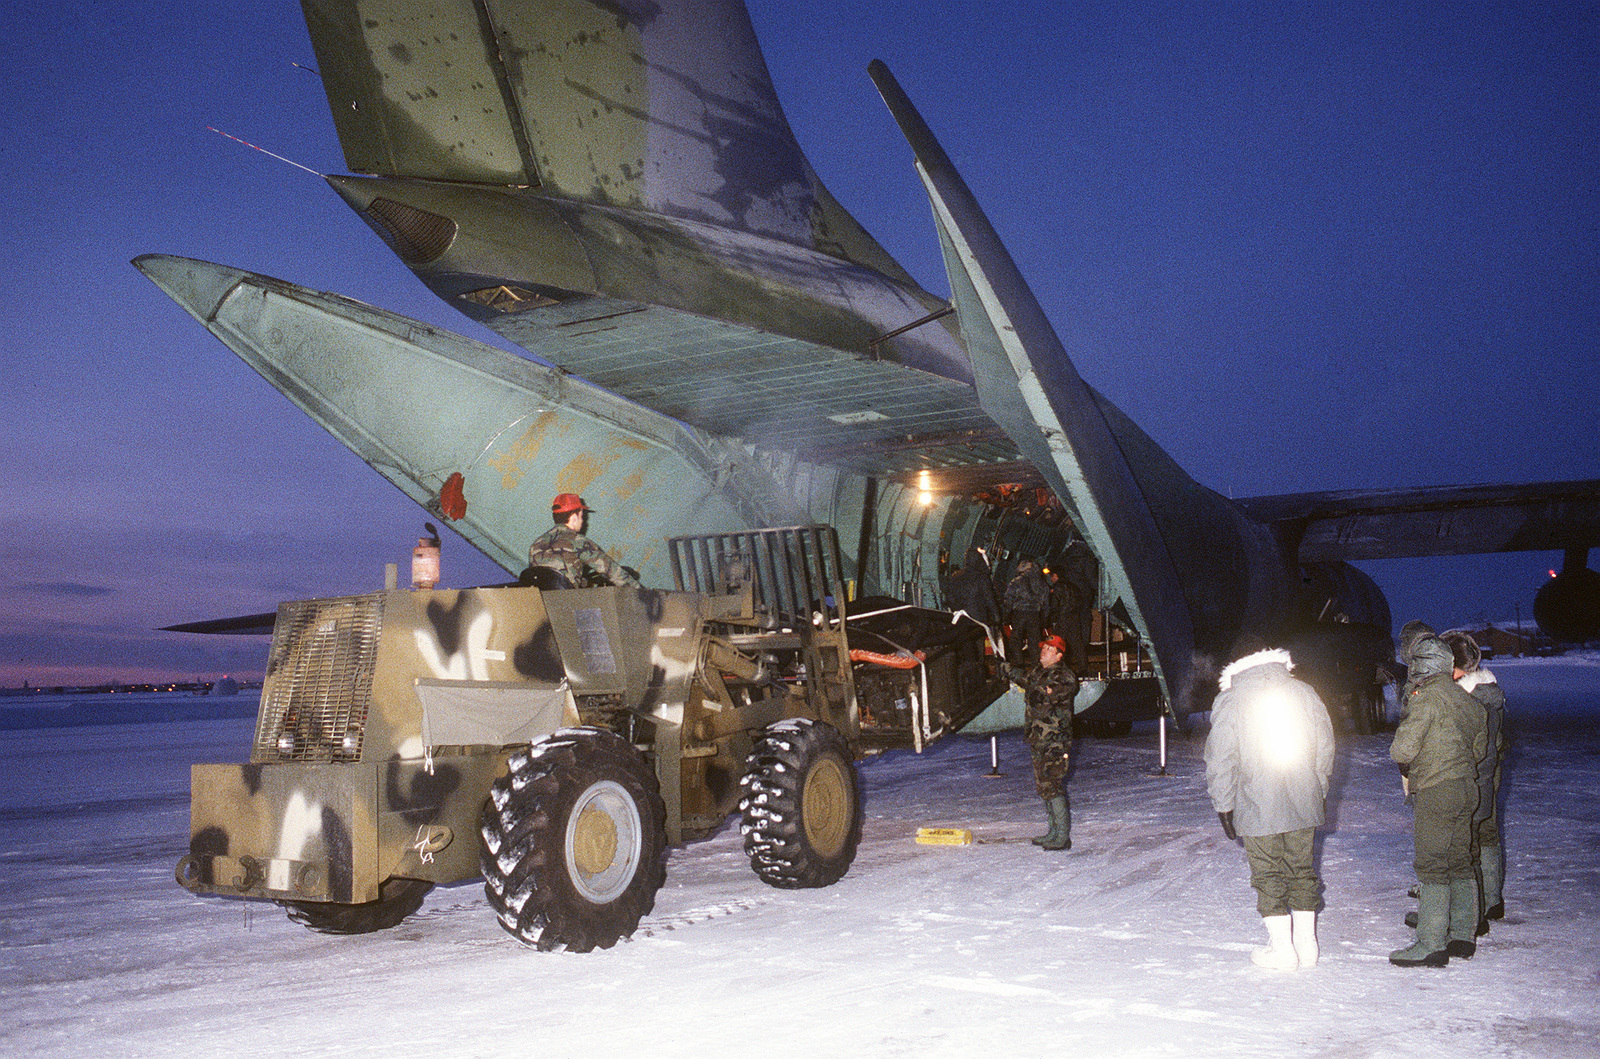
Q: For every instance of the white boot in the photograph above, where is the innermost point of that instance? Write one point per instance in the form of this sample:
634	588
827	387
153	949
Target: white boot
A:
1279	953
1305	937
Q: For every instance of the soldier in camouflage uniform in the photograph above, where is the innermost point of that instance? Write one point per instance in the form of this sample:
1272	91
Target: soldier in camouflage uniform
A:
1026	599
1049	689
564	549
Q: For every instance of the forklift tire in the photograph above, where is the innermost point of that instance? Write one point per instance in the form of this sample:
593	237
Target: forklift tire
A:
1369	710
574	841
397	899
801	805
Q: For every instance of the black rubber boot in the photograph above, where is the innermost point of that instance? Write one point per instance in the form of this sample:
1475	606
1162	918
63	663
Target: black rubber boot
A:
1058	837
1433	930
1050	808
1463	918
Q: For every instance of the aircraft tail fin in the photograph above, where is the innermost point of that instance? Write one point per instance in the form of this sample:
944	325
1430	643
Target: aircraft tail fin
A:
666	107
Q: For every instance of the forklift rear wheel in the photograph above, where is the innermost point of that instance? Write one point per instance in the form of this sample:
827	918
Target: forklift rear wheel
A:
397	899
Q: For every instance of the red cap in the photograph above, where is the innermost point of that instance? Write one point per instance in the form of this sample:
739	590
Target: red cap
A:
1054	641
567	503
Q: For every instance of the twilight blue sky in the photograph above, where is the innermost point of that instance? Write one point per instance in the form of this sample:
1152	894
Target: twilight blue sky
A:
1306	246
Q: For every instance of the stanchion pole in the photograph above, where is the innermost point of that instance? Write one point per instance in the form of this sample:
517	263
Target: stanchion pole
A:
1163	729
994	758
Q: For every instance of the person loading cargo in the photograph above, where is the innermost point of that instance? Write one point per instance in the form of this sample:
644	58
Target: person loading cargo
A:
564	549
1049	688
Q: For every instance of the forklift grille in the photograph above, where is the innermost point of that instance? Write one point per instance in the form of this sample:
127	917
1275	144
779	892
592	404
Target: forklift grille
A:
319	680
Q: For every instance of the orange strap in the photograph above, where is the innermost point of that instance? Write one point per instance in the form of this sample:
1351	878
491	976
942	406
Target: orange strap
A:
894	661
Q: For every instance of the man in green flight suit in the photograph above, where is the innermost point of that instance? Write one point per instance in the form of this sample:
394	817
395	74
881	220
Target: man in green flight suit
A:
564	549
1049	688
1440	740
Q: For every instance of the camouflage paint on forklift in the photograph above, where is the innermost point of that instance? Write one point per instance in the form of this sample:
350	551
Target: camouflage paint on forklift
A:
686	669
638	652
386	717
341	791
333	832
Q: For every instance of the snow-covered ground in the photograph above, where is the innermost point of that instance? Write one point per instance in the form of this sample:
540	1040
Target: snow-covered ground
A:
1135	943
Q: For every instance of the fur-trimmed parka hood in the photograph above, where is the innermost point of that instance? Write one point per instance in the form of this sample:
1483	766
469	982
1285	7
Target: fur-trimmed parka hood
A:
1410	633
1271	656
1431	657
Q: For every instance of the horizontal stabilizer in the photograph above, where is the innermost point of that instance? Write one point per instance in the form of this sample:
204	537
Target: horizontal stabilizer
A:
247	625
473	433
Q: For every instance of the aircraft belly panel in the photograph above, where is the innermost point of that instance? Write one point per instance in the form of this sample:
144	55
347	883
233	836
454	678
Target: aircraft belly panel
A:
768	285
735	333
772	391
602	261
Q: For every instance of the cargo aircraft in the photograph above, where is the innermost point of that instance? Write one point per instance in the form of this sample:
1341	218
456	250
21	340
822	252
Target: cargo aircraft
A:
717	345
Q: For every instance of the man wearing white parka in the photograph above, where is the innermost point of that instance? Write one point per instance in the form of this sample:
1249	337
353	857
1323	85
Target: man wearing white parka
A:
1268	757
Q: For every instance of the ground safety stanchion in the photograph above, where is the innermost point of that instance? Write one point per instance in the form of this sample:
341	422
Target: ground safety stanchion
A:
1163	770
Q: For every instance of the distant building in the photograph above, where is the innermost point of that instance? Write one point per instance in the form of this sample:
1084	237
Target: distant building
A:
1507	640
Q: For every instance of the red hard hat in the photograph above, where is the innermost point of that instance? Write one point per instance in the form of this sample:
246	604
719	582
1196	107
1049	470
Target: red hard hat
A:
567	503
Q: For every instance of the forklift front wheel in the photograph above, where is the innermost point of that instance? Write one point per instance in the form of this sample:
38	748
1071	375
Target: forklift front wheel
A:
574	841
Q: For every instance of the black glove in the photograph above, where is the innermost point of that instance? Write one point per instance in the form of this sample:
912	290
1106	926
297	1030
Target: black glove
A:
1227	825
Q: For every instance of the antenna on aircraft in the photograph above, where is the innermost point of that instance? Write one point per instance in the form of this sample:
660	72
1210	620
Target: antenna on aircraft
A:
264	151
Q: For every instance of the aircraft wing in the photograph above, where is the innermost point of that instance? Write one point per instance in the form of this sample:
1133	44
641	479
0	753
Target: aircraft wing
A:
1444	520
